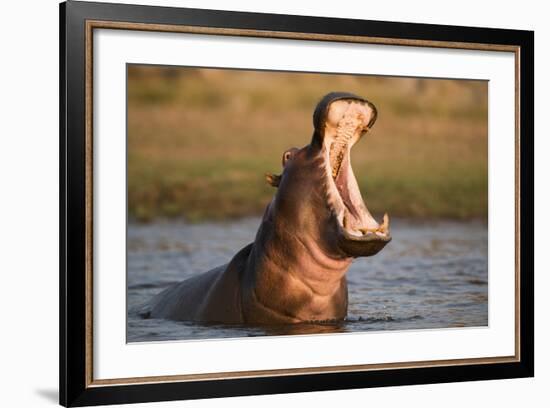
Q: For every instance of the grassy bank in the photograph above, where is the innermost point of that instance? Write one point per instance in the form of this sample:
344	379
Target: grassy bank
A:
200	141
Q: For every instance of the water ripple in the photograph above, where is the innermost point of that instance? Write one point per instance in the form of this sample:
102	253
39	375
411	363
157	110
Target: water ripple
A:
432	275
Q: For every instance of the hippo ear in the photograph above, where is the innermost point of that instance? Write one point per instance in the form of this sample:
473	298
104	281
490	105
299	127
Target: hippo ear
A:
273	179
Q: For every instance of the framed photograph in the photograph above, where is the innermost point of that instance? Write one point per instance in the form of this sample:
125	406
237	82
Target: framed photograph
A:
217	239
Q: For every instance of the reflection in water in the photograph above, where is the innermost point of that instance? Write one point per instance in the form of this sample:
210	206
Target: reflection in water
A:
432	275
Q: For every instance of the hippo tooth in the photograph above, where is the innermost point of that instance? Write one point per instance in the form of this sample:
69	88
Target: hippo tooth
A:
385	224
367	230
345	222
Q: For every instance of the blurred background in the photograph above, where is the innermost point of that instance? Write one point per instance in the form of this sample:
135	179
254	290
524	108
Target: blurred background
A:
201	140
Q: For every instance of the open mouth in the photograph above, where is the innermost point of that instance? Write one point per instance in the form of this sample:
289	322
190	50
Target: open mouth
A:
347	120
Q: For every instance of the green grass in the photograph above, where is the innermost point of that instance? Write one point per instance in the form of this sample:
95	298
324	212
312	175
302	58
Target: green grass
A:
200	141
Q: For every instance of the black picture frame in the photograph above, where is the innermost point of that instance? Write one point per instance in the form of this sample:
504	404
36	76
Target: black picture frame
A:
75	386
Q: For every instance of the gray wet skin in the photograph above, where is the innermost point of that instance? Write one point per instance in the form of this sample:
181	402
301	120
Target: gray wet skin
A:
316	224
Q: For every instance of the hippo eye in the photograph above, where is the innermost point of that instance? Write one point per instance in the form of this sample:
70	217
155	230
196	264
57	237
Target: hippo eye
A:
286	156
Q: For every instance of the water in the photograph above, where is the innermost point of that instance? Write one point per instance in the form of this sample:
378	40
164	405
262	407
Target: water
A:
432	275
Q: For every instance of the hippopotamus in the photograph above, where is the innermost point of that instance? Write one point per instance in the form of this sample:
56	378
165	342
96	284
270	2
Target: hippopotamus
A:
310	233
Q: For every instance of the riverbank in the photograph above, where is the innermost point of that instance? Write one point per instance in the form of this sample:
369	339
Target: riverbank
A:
200	142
